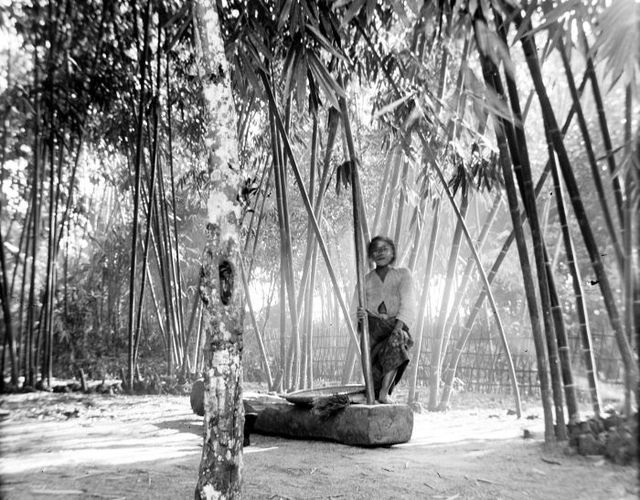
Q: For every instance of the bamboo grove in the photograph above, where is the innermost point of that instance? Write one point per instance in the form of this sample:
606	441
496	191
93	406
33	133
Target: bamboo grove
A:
496	142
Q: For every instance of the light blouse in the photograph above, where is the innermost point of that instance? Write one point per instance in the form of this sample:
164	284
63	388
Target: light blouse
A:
396	291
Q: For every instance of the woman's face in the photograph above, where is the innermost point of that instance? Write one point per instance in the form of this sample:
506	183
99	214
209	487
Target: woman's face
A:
382	253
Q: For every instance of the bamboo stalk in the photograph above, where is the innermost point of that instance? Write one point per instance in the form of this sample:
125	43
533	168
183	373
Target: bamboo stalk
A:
466	275
604	128
578	206
307	204
198	352
173	194
47	357
308	307
145	248
253	227
271	169
185	368
402	185
516	140
595	170
282	290
629	274
476	257
333	121
417	227
8	323
363	325
170	259
263	350
136	195
435	366
31	306
466	331
293	358
415	362
585	332
382	191
396	158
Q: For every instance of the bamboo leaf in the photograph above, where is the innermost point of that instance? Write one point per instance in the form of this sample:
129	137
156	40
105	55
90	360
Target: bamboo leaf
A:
310	8
179	14
491	45
315	33
550	20
391	106
399	7
325	80
284	14
260	47
301	81
314	98
249	71
183	27
351	12
343	176
617	42
525	25
486	99
288	68
370	7
555	36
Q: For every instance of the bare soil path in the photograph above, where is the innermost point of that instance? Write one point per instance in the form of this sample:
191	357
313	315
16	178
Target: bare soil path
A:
148	447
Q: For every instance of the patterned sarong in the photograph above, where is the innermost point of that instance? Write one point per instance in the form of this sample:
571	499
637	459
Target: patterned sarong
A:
388	351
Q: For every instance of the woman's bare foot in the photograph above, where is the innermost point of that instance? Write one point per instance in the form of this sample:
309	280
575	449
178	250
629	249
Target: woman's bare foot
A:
384	397
386	400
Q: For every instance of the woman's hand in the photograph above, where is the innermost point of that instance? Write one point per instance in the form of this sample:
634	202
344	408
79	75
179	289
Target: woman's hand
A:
398	326
361	313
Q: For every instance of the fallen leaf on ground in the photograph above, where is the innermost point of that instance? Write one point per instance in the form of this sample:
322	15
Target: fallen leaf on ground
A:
480	480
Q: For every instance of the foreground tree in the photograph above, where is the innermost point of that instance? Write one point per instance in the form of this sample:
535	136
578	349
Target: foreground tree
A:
220	287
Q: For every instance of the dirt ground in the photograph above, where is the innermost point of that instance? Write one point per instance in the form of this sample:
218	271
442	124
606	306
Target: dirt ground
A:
148	447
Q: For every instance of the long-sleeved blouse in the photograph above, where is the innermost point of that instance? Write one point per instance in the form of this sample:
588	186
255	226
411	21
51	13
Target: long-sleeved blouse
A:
396	291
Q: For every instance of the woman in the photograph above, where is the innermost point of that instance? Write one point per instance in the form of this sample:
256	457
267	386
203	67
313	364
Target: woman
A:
390	311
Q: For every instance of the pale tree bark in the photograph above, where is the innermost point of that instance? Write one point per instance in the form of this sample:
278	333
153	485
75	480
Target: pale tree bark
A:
220	471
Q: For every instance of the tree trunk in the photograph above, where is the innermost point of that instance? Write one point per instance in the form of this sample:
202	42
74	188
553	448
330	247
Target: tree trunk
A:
220	471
